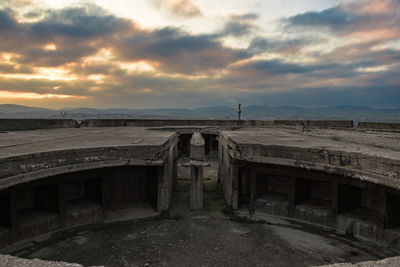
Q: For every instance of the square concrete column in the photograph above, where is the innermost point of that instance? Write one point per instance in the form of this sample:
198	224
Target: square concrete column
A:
196	186
197	157
197	147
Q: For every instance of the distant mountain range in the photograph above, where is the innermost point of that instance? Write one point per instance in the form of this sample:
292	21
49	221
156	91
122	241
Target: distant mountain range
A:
358	113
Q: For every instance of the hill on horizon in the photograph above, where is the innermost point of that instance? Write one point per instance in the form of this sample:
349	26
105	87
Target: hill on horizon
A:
253	112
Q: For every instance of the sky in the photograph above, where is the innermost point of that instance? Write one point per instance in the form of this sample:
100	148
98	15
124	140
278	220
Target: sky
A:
196	53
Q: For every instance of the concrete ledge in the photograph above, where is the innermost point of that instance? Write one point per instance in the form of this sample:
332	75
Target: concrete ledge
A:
32	124
11	261
379	125
316	123
388	262
160	123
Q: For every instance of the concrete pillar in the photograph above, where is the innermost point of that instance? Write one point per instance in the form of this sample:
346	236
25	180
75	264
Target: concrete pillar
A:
335	203
13	215
292	194
220	163
197	157
163	188
196	187
382	207
61	203
197	147
235	185
253	189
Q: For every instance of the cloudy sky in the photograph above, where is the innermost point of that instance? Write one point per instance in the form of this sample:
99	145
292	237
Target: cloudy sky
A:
193	53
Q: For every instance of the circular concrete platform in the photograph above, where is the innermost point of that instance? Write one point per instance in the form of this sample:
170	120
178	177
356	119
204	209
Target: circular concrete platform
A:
206	238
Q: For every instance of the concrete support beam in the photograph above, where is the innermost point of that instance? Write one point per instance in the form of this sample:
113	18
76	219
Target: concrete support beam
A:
292	195
61	203
13	215
197	147
335	198
197	157
253	190
196	187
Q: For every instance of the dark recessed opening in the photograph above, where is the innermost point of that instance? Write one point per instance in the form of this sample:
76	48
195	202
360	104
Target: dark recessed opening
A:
272	187
360	203
184	144
392	210
5	218
210	145
83	201
37	210
313	193
131	186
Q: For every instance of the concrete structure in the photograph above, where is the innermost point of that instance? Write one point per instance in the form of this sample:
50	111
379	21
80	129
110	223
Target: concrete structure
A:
53	179
344	180
333	175
197	158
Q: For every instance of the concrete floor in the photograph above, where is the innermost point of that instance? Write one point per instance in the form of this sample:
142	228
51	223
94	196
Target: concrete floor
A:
205	238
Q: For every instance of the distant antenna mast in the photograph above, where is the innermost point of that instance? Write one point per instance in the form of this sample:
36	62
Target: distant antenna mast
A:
239	111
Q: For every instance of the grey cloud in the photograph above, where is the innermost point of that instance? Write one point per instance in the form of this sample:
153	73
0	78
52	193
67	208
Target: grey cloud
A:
260	45
79	32
86	22
179	51
345	19
238	25
335	18
179	8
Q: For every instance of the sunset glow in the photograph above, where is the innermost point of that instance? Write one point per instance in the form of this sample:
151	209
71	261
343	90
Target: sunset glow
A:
188	53
20	95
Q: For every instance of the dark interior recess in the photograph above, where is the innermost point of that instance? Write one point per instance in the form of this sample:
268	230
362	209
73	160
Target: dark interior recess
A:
244	186
358	202
5	218
392	210
210	144
40	198
184	144
313	192
132	184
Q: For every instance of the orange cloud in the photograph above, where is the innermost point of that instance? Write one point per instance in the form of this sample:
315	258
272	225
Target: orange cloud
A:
24	95
372	35
376	7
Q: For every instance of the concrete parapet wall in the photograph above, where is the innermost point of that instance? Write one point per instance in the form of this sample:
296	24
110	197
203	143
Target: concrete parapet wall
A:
316	123
332	123
379	125
155	123
32	124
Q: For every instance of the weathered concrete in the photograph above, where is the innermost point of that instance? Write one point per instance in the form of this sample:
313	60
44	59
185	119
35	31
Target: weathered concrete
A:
362	160
197	151
32	124
31	155
197	156
10	261
317	163
379	125
347	180
37	205
315	123
387	262
163	123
